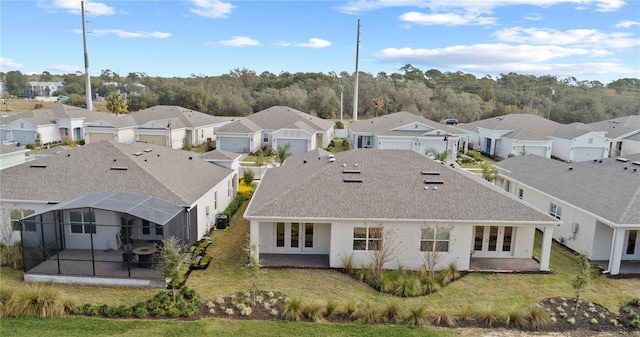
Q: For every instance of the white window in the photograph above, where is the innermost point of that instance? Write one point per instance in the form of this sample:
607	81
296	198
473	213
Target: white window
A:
367	238
555	210
434	240
215	201
520	193
590	141
17	214
265	137
82	222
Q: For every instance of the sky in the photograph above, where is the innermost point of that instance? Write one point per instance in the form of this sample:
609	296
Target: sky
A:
592	40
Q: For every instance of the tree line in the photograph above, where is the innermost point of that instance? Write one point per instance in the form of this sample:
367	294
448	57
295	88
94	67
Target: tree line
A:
433	94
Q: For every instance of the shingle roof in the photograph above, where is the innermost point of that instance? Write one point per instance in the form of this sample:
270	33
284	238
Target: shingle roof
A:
277	117
384	125
524	126
605	189
218	154
188	117
620	126
392	187
574	130
242	125
49	114
162	173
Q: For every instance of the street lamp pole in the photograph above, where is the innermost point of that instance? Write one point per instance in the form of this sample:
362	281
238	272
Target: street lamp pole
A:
550	103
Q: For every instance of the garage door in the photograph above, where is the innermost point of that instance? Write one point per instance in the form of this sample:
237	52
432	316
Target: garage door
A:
97	136
234	144
24	137
153	139
587	153
390	145
537	150
298	146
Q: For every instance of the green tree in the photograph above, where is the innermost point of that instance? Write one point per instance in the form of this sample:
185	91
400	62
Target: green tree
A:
46	76
117	103
581	279
324	101
441	156
378	103
15	82
248	177
172	254
489	173
283	152
254	269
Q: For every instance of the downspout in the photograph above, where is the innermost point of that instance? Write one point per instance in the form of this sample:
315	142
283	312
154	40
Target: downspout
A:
613	240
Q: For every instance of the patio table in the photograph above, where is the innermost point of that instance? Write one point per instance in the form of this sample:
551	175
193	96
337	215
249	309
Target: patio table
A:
145	256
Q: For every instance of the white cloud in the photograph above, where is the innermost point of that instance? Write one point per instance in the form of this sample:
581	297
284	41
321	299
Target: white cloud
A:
574	37
314	43
73	6
627	24
9	63
125	34
65	68
482	54
240	41
359	6
534	17
449	19
212	8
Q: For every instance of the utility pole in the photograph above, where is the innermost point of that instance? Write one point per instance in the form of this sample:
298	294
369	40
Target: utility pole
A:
355	87
87	79
550	102
341	84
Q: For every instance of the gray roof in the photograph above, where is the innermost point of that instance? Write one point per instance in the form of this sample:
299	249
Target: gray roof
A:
392	187
6	149
523	126
278	117
187	117
605	189
242	125
384	125
217	154
49	114
163	173
574	130
618	127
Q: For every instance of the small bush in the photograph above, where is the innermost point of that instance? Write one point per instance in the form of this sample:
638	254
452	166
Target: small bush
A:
449	274
38	301
536	317
313	311
141	312
159	312
111	312
516	316
292	310
391	312
490	316
409	286
347	263
173	312
444	318
330	307
124	311
417	315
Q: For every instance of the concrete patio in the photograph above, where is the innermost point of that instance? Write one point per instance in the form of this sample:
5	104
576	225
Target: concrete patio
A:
503	265
295	260
627	267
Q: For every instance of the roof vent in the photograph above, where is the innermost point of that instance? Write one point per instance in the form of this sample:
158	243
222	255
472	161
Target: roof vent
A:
114	160
350	171
430	173
352	180
190	158
433	182
636	163
39	165
148	150
635	169
331	159
138	154
624	160
626	168
118	168
570	168
304	161
600	161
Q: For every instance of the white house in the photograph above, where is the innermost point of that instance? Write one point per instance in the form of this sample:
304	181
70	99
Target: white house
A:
624	133
333	207
171	125
45	89
406	131
71	208
597	201
579	142
278	125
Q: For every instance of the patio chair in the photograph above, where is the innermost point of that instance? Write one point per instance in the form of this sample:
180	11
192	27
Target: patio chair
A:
129	260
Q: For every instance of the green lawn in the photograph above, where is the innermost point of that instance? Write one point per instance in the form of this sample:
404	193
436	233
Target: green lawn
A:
226	275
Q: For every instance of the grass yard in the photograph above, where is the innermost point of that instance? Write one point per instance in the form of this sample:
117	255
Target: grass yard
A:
226	275
21	105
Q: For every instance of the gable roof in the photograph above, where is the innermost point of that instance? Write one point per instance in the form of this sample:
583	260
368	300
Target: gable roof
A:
49	114
218	154
388	125
278	117
392	187
605	189
242	125
105	166
618	127
574	130
187	117
523	126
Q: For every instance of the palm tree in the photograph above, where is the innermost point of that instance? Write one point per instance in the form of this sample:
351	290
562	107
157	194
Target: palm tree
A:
489	173
441	156
283	152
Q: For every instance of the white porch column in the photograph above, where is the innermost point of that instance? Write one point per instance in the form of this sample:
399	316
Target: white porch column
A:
616	251
254	237
545	251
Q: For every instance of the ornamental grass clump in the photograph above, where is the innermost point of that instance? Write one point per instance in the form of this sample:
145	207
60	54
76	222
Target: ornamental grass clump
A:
38	301
292	310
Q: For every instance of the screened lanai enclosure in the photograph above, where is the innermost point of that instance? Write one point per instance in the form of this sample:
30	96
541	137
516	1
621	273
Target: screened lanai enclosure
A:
108	238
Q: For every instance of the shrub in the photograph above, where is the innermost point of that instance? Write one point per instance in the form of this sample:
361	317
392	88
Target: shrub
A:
516	316
409	286
370	315
248	177
38	301
173	312
391	312
635	301
417	315
141	312
159	312
449	274
30	146
233	206
124	311
292	310
490	316
475	155
313	311
339	125
347	263
430	285
246	191
444	318
188	293
331	307
349	308
537	317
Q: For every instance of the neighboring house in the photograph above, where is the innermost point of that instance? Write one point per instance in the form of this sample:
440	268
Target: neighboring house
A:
57	123
578	142
170	125
406	131
513	134
71	208
336	207
624	133
111	127
278	125
45	89
3	90
598	203
11	155
223	158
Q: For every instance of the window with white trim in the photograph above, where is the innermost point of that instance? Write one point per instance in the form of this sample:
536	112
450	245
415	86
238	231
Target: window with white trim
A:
367	238
434	239
555	211
82	222
17	214
520	193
